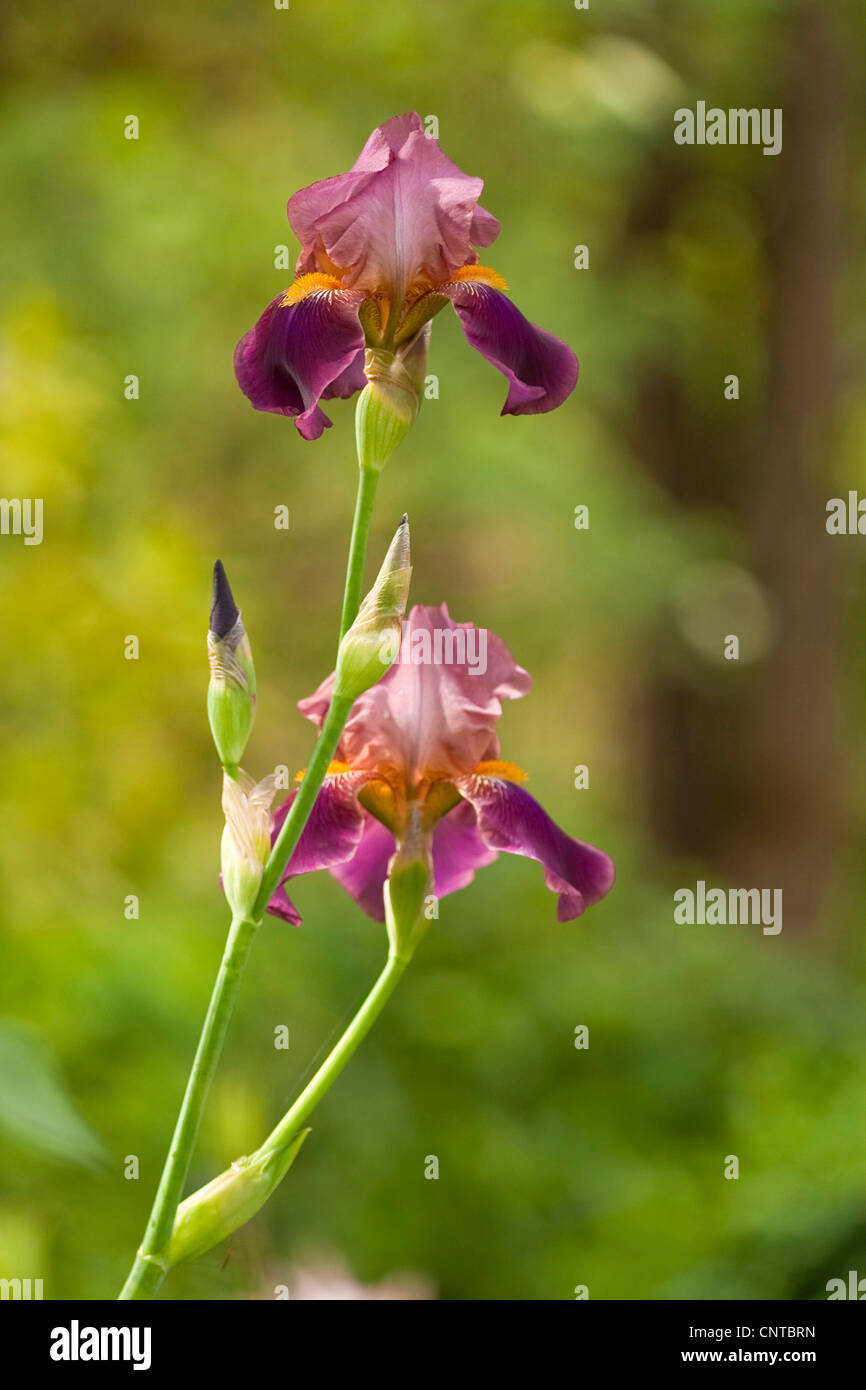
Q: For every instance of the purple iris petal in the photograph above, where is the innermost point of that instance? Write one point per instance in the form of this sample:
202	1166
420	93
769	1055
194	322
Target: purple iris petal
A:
350	381
458	850
541	369
330	836
299	353
364	874
429	720
509	819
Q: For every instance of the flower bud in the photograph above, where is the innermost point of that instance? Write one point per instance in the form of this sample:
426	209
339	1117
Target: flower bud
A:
387	406
372	643
246	839
231	695
224	1204
409	882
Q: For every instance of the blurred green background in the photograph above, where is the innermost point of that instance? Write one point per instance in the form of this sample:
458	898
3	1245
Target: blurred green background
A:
558	1167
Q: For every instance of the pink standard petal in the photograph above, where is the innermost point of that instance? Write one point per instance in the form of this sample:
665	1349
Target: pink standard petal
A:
509	819
541	369
436	715
404	210
298	353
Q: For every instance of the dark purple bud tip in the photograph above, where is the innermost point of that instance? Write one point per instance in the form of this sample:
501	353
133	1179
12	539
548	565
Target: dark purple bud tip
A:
224	612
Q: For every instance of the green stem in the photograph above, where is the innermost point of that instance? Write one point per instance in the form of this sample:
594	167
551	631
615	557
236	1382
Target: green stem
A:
368	479
299	811
337	1059
149	1269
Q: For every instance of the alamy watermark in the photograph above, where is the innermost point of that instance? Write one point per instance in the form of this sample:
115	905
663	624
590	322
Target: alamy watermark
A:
716	907
77	1343
22	516
444	646
738	125
438	646
24	1289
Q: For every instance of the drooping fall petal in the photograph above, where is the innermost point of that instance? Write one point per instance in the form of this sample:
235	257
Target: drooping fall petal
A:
330	836
541	369
509	819
297	353
363	876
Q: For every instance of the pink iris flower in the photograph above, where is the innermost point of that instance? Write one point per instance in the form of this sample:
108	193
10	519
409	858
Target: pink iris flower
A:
383	248
419	773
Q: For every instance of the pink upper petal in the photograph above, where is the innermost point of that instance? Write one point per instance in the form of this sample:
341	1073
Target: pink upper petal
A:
541	369
298	353
509	819
426	717
403	211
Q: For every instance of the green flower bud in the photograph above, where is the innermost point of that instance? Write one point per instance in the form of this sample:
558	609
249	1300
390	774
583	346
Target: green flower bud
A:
231	695
212	1213
388	405
246	839
372	643
409	882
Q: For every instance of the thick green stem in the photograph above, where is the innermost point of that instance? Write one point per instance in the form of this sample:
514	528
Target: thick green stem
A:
149	1268
368	479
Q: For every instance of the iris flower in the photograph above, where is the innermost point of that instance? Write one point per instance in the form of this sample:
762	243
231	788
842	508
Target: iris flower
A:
419	776
384	247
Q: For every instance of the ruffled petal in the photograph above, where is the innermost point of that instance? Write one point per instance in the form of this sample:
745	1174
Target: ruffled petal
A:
509	819
434	713
541	369
403	211
330	836
300	352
